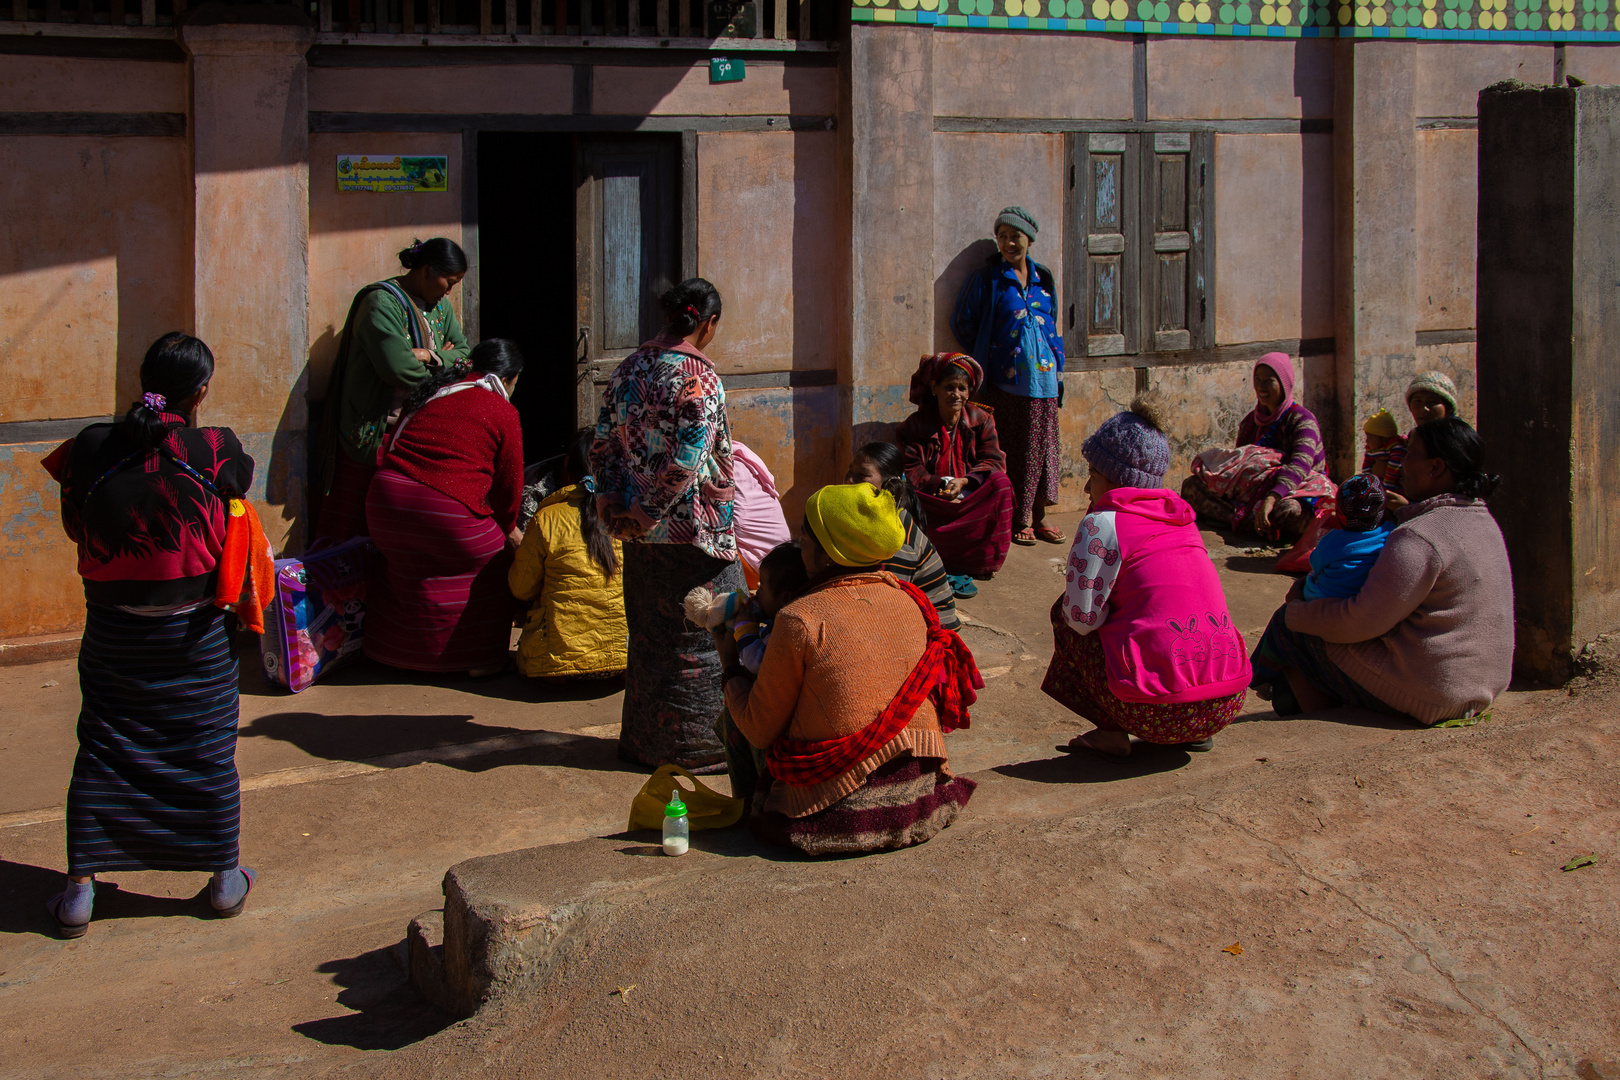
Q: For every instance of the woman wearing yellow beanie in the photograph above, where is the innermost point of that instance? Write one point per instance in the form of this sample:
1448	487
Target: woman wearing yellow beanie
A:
858	686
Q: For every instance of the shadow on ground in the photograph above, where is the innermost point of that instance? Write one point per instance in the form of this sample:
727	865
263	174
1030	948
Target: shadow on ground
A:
394	740
386	1011
25	889
507	686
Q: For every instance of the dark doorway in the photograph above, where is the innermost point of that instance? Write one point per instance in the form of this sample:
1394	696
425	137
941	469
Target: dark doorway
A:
526	287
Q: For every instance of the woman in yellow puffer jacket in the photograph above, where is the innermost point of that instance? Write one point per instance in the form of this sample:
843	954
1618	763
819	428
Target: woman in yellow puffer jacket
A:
567	571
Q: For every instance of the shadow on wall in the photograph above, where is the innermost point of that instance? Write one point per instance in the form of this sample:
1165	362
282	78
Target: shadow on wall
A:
948	285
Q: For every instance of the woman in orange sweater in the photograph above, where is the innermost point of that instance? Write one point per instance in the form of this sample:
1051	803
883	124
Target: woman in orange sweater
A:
857	688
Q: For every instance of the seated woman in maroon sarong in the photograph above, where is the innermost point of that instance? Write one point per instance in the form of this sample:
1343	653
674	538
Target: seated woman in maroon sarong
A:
858	686
955	463
442	510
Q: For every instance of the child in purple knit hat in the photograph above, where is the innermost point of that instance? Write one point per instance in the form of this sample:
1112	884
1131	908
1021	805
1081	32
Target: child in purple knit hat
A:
1344	557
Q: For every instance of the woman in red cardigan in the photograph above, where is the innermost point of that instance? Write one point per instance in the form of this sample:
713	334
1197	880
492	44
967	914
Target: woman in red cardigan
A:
442	510
954	461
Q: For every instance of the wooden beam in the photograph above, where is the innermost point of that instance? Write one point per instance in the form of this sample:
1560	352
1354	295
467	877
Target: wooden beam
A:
357	122
19	10
689	203
806	21
685	9
47	431
355	11
407	16
87	11
510	20
779	29
486	17
610	17
663	18
561	12
435	16
1055	125
148	124
116	13
148	11
632	18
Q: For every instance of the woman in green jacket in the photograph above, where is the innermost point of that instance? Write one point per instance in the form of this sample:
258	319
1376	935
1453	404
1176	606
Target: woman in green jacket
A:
396	330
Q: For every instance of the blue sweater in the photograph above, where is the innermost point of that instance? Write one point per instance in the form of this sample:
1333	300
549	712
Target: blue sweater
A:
1341	561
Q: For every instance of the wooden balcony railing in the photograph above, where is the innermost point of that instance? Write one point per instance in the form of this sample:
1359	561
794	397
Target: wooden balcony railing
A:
779	20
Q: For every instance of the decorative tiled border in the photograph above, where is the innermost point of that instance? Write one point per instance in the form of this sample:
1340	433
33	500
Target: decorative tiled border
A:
1431	20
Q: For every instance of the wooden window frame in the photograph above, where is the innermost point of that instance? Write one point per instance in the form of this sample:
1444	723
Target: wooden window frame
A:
1135	251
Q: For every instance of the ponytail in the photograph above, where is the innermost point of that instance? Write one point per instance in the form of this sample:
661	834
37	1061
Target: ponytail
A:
689	305
1460	447
492	356
598	543
891	463
176	366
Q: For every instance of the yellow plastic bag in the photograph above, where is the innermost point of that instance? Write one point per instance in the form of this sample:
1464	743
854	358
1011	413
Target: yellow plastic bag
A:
705	807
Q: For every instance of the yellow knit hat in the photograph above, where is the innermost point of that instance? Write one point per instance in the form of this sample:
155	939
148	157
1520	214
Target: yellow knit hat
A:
1381	424
855	524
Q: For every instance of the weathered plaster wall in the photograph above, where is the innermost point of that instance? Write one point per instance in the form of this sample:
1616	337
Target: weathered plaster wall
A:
974	177
795	432
1273	237
1383	385
42	593
503	88
355	236
769	89
1450	74
1597	64
769	237
1447	204
94	264
1022	75
1237	79
70	84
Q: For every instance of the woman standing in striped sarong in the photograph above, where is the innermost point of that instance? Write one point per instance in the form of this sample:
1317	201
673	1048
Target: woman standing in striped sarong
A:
154	784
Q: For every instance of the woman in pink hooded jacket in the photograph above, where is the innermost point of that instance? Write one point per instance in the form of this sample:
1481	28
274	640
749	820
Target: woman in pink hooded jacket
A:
1143	642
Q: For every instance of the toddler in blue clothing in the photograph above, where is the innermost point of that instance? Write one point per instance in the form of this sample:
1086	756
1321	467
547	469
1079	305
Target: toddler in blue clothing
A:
749	618
1344	557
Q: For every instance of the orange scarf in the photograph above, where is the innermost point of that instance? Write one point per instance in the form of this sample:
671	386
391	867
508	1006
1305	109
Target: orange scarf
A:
247	574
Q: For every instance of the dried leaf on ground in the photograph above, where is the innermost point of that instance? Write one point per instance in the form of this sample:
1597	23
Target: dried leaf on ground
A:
1236	949
1579	861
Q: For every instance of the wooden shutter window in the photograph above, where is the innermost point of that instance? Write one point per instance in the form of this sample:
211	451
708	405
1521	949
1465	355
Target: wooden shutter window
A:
1174	175
1104	185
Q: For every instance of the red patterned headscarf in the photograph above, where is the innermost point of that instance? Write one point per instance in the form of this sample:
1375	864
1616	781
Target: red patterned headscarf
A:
936	367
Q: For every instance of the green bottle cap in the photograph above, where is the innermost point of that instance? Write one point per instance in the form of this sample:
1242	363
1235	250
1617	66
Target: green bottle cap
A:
676	808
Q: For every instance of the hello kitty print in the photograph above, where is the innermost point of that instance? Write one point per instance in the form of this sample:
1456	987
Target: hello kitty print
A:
1093	568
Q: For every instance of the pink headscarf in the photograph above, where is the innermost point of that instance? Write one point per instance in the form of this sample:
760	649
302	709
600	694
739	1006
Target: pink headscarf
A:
1282	367
936	367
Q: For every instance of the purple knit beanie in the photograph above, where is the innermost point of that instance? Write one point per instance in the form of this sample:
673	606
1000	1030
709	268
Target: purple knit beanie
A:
1130	448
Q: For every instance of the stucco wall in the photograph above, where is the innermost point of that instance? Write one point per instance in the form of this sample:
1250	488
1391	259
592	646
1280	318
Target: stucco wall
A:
1012	74
1238	79
71	84
1447	205
355	236
503	88
1273	237
42	593
1450	74
772	238
796	432
1597	64
769	88
974	177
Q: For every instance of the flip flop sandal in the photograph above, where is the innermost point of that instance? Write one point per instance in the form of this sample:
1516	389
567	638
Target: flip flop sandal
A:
1050	535
1024	537
65	929
1199	746
236	909
1082	743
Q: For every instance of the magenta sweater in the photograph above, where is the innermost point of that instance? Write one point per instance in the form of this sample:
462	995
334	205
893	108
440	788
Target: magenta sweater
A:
1431	632
1140	576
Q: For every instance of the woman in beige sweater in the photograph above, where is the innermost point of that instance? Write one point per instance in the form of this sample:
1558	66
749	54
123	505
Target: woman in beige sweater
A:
1430	635
858	686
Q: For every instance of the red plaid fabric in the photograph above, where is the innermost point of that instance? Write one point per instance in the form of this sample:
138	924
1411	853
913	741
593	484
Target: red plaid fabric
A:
945	673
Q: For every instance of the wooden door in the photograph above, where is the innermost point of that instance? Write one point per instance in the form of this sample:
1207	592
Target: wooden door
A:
628	252
1175	168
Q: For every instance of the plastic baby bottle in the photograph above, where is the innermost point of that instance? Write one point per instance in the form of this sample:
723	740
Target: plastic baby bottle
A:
677	829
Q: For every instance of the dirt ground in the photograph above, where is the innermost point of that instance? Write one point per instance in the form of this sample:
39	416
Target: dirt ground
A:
1340	895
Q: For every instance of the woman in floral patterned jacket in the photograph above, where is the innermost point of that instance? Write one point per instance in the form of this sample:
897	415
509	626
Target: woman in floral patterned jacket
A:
662	470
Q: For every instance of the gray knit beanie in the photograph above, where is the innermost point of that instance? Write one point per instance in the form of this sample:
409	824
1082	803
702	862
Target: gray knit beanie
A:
1130	448
1018	218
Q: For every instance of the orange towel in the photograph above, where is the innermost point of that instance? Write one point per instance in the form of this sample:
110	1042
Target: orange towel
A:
247	574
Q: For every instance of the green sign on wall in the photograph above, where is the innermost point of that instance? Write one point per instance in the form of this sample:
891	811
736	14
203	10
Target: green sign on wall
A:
726	69
392	172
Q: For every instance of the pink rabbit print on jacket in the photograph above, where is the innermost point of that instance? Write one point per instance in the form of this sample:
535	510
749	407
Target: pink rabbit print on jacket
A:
1140	577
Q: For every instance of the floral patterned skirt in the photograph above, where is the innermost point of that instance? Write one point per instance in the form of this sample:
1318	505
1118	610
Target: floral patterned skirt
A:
1027	429
1077	678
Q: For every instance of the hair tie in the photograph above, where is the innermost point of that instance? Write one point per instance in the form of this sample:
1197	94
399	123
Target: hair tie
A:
692	311
460	368
589	484
416	246
155	402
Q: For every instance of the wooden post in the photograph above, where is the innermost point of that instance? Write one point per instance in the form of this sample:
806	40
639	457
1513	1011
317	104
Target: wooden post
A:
686	17
19	10
353	23
780	31
632	18
663	17
806	21
586	23
407	16
610	17
434	16
510	21
149	11
486	17
87	11
179	9
115	12
561	13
